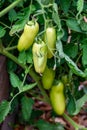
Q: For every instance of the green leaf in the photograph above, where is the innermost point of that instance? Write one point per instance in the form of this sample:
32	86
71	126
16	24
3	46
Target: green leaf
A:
71	50
4	110
22	57
28	87
83	25
65	4
84	55
74	67
73	25
60	34
85	90
35	114
23	17
44	125
55	7
2	31
70	62
14	79
27	106
80	4
71	105
11	66
46	2
17	27
29	56
55	16
12	15
79	104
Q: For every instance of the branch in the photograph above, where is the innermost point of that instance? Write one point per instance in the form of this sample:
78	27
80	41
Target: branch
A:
11	6
74	124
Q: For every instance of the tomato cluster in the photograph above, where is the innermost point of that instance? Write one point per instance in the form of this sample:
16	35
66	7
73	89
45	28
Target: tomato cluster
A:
42	50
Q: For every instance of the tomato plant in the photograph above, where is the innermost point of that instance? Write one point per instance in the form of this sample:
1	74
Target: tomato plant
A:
44	42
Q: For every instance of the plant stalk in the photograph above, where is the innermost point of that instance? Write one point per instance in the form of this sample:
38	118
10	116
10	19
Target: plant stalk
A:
10	48
74	124
11	6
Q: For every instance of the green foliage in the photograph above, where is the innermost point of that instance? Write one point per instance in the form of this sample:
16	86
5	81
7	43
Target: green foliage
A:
22	57
73	25
71	105
65	5
2	31
4	110
74	106
27	106
11	66
29	56
25	57
28	87
46	2
83	25
14	79
80	4
12	15
70	63
55	16
79	103
42	125
16	82
1	3
84	55
22	17
71	50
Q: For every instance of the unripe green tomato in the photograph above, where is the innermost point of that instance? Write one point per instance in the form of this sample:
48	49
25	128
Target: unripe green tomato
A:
27	38
48	78
57	98
50	40
39	51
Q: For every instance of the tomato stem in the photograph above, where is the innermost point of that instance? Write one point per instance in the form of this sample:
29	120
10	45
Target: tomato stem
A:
74	124
11	6
42	7
10	48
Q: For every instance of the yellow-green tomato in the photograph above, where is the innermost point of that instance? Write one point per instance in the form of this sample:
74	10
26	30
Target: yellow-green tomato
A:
57	98
48	77
31	27
27	38
50	39
39	51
